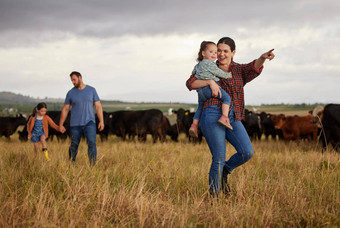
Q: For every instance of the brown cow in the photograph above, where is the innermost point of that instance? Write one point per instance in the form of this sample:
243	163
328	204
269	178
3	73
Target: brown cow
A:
295	127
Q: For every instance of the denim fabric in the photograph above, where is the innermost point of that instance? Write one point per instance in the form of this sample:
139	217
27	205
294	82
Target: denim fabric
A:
204	93
37	131
89	130
215	135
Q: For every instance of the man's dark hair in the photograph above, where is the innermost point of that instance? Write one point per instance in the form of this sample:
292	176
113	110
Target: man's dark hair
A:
76	73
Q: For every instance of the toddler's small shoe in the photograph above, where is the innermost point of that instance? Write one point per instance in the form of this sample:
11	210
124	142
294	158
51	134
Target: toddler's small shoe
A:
193	131
225	122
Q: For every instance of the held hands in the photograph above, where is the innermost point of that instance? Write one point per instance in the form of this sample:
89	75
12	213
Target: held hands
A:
62	129
268	55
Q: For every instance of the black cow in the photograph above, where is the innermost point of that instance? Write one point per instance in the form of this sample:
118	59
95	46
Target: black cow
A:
123	123
170	130
184	121
251	123
138	123
104	134
330	119
268	126
55	116
23	135
8	125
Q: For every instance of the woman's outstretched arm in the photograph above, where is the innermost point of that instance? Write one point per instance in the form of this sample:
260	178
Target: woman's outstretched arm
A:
260	61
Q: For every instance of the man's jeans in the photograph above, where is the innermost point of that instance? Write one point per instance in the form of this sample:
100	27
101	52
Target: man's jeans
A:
216	135
89	130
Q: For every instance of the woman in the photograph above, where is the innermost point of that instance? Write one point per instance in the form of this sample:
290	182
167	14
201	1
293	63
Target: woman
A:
214	133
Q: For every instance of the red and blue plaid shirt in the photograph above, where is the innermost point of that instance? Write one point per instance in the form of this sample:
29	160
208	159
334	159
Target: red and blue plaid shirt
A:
241	75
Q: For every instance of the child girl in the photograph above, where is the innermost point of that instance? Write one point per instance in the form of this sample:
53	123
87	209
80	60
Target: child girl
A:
37	128
207	69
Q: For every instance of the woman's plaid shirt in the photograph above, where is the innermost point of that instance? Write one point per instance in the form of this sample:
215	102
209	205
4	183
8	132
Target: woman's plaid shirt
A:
241	75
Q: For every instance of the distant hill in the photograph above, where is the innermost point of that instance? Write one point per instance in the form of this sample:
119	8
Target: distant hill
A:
10	97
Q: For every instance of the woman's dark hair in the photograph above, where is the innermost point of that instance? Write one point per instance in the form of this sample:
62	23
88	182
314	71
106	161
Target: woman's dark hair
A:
76	73
204	45
38	107
228	41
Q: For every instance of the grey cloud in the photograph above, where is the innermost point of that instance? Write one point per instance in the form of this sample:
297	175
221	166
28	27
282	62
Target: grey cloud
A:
104	18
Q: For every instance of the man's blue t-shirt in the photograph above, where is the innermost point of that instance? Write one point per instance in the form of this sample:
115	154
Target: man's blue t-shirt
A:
82	101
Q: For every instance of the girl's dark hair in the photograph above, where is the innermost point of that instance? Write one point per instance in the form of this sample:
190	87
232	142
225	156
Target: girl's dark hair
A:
38	107
228	41
204	45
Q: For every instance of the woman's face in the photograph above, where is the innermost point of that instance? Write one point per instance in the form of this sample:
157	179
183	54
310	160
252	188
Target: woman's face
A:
224	54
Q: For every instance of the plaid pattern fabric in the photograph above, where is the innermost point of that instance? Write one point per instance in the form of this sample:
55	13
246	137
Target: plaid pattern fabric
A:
241	75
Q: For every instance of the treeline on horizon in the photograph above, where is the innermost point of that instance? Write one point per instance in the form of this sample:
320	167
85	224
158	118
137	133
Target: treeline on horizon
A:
11	104
11	109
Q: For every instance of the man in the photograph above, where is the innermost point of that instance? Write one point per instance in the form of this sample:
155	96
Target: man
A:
82	97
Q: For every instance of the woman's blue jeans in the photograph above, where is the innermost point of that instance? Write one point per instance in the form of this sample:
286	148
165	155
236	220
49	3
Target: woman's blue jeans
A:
216	135
89	130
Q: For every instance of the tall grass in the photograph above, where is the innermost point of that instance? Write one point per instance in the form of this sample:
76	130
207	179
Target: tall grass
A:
165	185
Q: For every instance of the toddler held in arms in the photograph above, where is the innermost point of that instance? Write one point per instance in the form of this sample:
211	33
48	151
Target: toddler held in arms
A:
207	69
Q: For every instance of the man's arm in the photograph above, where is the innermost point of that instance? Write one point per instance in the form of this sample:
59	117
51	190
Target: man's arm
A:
63	115
99	111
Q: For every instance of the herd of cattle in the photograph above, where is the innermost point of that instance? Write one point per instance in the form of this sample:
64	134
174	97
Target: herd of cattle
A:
322	121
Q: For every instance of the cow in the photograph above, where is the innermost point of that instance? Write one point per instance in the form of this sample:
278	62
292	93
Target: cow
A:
251	123
170	130
151	122
268	126
55	116
138	123
184	121
296	127
317	114
330	123
121	122
23	135
8	125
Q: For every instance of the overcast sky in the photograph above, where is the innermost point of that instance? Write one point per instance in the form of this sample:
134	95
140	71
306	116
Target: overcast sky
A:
146	50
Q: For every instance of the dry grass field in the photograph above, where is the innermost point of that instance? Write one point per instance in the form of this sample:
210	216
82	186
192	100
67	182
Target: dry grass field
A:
165	185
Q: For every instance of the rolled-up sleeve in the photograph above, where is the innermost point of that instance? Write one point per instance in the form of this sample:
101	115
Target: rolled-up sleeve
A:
249	72
190	81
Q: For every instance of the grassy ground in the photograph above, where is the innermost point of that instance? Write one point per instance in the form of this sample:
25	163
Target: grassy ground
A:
165	185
